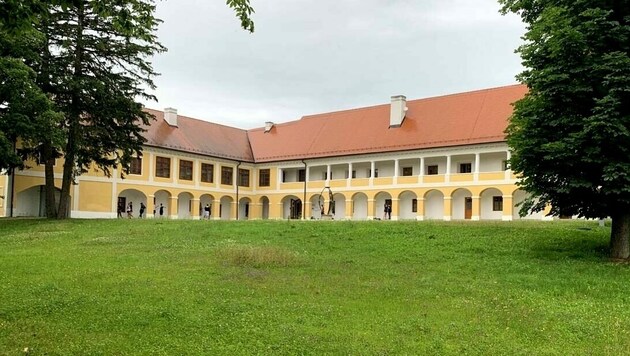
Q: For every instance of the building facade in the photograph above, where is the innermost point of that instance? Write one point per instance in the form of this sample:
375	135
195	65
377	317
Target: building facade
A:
442	158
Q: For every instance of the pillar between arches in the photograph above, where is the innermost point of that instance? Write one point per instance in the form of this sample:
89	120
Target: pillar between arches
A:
348	209
508	208
476	208
195	213
150	206
214	209
172	208
306	207
447	208
370	209
395	209
420	212
233	210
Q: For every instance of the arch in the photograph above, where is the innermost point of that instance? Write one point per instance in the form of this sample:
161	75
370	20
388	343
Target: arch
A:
264	207
162	203
359	206
461	204
489	210
291	207
339	206
205	199
518	197
405	205
184	205
32	201
244	206
434	205
316	207
133	196
225	207
380	199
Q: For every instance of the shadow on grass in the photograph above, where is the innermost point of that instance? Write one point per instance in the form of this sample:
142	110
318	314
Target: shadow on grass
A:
584	246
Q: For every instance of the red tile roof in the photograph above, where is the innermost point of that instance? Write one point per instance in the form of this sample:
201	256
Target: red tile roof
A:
451	120
192	135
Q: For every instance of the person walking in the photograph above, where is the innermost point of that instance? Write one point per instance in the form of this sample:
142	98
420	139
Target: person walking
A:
130	210
206	212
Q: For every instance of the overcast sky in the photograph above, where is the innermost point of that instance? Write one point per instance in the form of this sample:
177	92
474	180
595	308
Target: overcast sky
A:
314	56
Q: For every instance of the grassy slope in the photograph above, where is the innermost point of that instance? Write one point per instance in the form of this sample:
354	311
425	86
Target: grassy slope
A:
174	287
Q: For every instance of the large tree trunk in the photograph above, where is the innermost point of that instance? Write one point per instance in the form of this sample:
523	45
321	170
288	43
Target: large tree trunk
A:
49	173
620	236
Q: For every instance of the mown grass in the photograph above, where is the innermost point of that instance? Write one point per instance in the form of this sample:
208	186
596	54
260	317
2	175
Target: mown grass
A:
278	287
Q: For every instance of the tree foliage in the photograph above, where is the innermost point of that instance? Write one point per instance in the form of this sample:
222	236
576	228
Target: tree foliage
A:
570	134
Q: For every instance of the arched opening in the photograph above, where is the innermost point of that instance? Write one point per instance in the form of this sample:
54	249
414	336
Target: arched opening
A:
317	205
184	205
264	208
225	211
434	205
136	198
461	204
244	205
32	202
407	205
205	206
491	204
517	198
162	203
383	201
339	212
291	207
359	206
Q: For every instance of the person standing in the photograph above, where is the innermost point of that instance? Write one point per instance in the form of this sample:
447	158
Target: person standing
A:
130	210
161	210
206	211
142	209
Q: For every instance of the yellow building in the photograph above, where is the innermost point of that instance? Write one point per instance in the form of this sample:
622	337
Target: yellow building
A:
435	158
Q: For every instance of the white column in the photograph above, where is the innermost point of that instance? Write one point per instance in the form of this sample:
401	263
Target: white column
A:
327	174
508	172
307	174
396	167
372	165
477	166
278	178
421	167
448	168
349	174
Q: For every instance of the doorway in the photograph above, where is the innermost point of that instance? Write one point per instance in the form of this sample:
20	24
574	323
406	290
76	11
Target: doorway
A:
467	208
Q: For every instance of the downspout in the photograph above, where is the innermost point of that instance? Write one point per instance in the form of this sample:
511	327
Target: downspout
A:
304	199
237	184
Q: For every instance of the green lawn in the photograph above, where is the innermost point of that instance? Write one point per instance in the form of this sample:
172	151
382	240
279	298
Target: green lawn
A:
277	287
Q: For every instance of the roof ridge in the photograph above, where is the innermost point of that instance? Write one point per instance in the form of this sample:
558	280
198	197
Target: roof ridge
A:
200	120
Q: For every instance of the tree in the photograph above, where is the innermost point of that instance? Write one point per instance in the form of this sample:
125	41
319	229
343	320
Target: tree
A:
93	65
570	134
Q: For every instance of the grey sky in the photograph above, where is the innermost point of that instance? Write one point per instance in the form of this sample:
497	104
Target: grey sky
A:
308	57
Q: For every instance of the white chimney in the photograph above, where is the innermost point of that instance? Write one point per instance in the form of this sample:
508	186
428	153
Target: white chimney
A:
268	126
170	115
397	111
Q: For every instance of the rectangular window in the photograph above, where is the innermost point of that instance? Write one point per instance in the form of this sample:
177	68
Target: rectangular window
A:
414	205
407	171
465	167
264	177
432	170
302	175
207	173
226	175
375	172
243	177
135	167
162	167
354	174
185	170
497	203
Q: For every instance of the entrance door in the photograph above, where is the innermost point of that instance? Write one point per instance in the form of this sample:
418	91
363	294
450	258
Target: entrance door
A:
467	208
295	209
